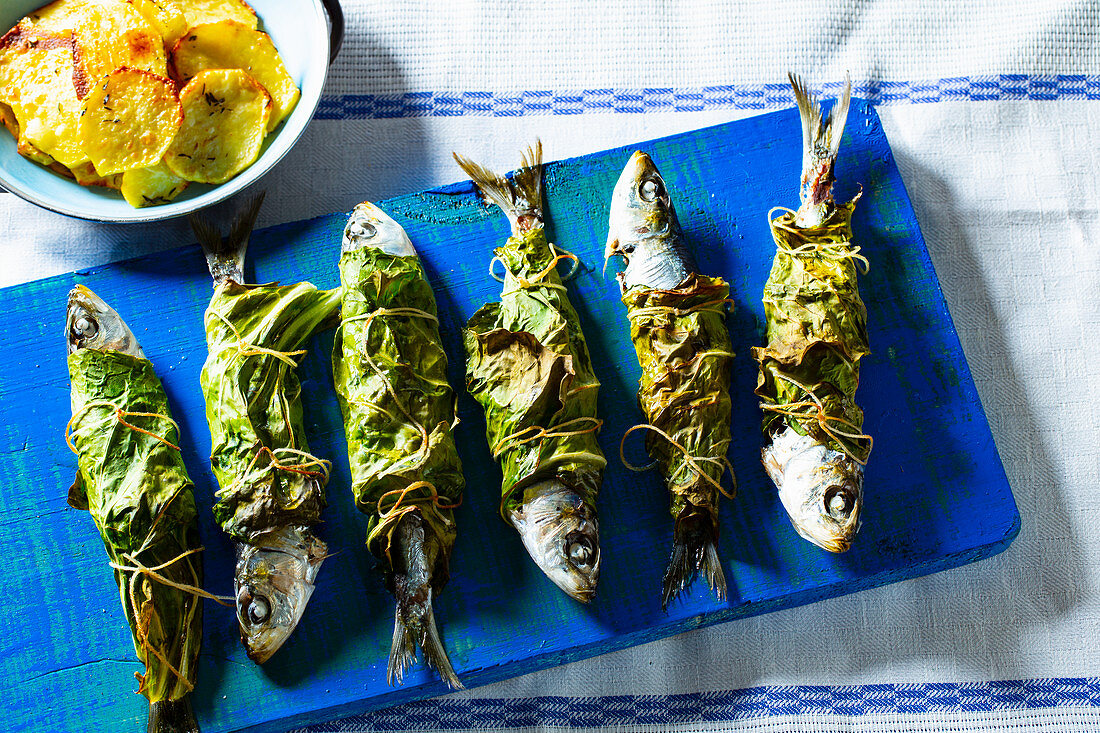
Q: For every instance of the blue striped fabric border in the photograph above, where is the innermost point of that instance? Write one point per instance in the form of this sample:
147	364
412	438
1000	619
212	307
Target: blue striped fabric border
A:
755	97
730	705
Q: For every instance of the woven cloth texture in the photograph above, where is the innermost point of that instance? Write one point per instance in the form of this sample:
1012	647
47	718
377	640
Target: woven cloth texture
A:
989	108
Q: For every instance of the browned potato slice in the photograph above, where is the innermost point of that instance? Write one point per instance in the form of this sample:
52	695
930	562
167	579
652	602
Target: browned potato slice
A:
129	120
225	114
166	16
36	82
86	175
7	119
151	186
230	45
212	11
109	34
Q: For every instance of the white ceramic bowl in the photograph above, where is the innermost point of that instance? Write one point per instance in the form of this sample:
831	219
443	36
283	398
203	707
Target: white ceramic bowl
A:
300	33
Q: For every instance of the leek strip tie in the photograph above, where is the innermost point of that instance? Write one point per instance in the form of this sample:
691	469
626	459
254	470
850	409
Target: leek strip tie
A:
816	412
691	461
276	465
652	310
244	348
389	518
120	416
538	432
560	254
824	245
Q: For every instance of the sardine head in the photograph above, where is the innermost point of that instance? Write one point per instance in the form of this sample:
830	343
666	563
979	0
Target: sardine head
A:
369	226
643	229
92	324
273	583
561	533
821	489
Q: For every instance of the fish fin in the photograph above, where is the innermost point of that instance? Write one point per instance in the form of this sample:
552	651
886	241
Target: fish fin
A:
172	716
838	116
517	197
402	652
78	495
693	550
225	257
809	110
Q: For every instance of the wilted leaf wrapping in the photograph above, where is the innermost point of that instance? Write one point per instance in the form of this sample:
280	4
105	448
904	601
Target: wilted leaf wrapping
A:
253	405
390	373
685	354
528	365
816	329
139	495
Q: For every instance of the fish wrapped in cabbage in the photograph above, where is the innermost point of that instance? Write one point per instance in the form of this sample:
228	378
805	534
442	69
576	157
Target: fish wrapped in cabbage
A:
390	373
272	489
817	333
678	327
133	482
528	366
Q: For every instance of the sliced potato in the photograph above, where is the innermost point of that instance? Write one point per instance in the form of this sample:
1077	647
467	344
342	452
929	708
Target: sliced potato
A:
109	34
28	150
230	45
85	174
166	16
212	11
225	115
129	120
151	186
7	119
36	82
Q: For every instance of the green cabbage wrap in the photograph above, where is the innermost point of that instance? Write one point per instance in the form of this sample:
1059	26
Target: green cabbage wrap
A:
685	354
528	365
139	495
390	373
817	333
253	405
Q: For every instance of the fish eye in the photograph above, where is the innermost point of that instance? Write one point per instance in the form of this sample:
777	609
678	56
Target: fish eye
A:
649	190
362	229
579	550
838	502
85	328
259	610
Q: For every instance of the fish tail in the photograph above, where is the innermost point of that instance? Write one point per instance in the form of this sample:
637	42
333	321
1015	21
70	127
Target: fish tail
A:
519	197
225	257
414	618
422	632
693	551
172	716
820	137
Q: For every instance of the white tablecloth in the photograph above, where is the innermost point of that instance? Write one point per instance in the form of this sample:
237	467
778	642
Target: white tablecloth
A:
991	111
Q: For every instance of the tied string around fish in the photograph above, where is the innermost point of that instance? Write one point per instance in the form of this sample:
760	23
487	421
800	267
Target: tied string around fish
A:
537	432
144	610
831	239
690	462
118	415
536	280
364	352
253	473
811	411
395	504
244	348
391	507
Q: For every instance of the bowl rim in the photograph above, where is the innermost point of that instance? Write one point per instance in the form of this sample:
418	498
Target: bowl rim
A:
279	146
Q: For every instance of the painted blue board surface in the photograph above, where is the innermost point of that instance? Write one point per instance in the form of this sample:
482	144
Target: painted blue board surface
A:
935	493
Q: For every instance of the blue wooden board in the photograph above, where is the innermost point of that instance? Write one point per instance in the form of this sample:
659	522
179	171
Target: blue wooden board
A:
936	494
